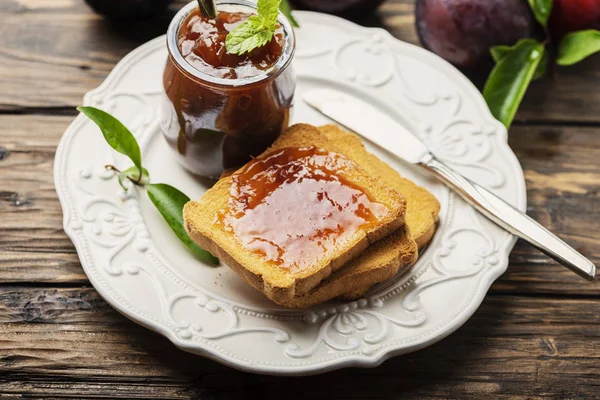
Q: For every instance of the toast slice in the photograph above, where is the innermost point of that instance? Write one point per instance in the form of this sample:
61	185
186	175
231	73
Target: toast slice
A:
422	211
380	262
283	284
376	264
423	208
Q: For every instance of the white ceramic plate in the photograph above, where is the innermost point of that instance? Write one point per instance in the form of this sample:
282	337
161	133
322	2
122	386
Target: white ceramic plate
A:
139	267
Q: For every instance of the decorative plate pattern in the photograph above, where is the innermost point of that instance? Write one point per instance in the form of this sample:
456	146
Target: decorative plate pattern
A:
141	269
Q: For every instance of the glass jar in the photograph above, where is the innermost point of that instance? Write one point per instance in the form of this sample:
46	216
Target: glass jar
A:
216	123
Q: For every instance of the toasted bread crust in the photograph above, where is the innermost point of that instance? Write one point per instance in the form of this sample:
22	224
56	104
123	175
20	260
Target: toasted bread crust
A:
421	220
364	272
422	216
391	254
278	284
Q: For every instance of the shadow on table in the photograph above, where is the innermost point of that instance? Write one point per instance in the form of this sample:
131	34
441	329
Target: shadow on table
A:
442	369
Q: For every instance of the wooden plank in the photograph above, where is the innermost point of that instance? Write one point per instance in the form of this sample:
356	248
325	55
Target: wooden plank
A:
562	171
29	266
68	342
71	51
31	216
561	168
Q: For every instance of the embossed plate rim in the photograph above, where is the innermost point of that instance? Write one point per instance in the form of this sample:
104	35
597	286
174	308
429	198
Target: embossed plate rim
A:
484	280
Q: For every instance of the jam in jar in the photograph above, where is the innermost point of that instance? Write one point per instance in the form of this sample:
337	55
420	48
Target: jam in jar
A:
222	109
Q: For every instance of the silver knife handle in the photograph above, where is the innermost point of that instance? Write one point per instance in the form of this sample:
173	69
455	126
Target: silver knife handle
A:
511	219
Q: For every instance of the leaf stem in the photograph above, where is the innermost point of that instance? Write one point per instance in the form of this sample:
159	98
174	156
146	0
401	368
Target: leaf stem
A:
112	168
137	182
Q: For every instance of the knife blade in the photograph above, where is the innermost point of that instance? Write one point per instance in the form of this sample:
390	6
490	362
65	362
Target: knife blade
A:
381	129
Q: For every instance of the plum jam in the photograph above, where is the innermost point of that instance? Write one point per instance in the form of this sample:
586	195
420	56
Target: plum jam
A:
263	212
222	109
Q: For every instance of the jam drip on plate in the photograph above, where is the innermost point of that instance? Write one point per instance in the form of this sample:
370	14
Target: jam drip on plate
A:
296	206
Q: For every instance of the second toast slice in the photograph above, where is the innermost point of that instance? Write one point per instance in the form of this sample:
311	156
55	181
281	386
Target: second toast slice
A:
283	283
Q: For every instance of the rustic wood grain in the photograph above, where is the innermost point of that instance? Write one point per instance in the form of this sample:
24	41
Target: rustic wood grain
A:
561	167
68	342
71	50
536	335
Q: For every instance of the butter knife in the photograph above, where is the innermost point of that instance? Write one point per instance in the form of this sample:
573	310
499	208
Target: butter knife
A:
381	129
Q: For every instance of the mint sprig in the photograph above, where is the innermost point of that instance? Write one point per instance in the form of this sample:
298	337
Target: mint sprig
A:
256	31
168	200
516	66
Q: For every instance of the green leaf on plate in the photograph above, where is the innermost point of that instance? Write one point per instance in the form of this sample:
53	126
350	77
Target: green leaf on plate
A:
115	133
133	174
169	202
576	46
510	78
541	10
287	11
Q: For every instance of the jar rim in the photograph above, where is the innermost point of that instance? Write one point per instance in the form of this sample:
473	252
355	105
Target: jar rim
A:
174	52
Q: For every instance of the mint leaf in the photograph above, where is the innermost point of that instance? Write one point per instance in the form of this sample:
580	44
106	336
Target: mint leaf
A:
541	10
286	10
269	10
576	46
498	52
510	78
251	34
115	133
133	174
169	202
256	31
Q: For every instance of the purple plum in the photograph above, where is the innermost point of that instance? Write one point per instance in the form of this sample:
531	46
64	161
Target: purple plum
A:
339	7
462	31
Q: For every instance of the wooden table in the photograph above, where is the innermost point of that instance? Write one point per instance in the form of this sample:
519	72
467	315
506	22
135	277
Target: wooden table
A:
537	333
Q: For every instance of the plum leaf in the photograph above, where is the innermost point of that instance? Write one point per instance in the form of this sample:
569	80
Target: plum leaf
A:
133	174
510	78
542	67
169	201
541	10
498	52
576	46
115	133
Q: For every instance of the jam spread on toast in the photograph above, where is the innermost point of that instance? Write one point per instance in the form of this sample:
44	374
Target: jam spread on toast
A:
297	206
